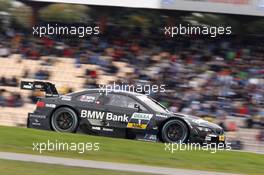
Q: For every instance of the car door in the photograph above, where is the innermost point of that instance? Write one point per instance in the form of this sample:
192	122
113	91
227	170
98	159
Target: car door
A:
91	108
124	111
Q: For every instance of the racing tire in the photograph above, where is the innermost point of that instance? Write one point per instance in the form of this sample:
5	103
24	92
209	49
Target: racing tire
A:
175	131
64	120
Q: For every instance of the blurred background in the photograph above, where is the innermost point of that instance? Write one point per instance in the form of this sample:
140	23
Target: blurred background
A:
219	79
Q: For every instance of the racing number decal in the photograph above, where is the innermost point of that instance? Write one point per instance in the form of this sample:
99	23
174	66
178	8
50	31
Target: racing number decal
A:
139	120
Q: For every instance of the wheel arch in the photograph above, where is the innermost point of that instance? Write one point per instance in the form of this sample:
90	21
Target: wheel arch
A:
169	119
65	106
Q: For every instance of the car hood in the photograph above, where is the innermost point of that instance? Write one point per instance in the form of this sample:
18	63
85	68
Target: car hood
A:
197	121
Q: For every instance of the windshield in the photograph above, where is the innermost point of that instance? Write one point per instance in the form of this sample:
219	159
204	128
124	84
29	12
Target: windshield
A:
153	104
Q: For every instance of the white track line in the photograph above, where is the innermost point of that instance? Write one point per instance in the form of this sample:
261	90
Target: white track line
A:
102	165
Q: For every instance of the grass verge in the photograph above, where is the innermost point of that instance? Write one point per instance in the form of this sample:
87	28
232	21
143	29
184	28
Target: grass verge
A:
21	140
29	168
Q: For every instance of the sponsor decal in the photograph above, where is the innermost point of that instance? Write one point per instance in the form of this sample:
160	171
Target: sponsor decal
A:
139	120
37	116
150	137
119	118
108	129
162	116
50	105
96	128
86	98
199	121
137	125
100	115
38	86
221	138
28	86
208	138
141	116
66	98
36	122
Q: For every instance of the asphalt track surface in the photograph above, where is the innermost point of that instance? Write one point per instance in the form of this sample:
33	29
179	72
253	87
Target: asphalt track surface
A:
102	165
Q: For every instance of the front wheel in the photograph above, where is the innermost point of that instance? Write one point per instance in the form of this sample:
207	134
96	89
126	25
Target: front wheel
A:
64	120
175	131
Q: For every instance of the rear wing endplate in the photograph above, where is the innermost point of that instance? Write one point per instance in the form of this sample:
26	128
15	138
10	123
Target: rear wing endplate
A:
49	88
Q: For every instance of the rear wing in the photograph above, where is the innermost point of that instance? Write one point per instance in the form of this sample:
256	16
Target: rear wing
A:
49	88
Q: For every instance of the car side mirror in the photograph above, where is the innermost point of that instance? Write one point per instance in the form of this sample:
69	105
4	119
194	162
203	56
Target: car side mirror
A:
137	107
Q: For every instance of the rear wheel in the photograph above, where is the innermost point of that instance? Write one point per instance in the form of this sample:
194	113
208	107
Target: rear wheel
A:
175	131
64	120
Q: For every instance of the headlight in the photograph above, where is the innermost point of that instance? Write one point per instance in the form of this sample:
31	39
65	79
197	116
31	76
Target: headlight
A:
204	129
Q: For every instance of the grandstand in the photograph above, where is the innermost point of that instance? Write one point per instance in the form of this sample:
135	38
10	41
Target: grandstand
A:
64	73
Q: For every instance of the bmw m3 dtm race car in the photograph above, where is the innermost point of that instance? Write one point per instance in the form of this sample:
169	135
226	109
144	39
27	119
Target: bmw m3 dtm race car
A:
119	114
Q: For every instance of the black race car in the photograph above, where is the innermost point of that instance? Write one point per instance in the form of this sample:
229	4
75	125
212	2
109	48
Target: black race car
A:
118	114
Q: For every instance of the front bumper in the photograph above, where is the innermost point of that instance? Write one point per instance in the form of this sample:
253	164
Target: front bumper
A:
215	136
212	138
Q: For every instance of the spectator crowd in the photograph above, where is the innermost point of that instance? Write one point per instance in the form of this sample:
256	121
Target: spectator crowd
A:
202	76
